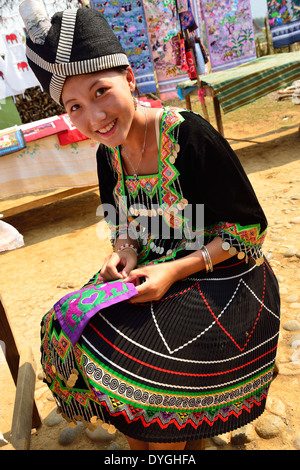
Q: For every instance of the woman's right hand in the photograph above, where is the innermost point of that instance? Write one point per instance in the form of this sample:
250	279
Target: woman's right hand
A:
118	265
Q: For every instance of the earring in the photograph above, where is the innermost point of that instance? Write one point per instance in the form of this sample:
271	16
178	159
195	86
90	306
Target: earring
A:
134	102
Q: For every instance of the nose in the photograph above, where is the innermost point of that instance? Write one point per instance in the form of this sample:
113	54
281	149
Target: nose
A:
97	116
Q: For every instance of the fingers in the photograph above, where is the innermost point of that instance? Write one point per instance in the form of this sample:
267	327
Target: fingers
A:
146	289
118	265
146	293
109	270
129	265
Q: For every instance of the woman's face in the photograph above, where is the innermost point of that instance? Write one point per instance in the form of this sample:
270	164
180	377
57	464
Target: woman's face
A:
100	104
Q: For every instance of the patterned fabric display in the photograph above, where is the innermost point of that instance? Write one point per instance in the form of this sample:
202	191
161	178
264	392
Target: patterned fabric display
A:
128	23
163	25
284	19
76	309
229	30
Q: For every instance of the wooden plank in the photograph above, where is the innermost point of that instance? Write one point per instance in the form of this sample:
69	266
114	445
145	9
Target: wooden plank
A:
11	351
24	400
45	200
12	356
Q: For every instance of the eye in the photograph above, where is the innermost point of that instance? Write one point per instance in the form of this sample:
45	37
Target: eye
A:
100	91
74	107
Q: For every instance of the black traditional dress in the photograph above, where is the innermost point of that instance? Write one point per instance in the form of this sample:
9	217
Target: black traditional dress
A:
198	362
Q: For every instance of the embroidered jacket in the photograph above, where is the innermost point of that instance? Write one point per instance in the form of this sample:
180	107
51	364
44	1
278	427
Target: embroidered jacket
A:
201	191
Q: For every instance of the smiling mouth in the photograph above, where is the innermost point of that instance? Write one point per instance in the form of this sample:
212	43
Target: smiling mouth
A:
106	129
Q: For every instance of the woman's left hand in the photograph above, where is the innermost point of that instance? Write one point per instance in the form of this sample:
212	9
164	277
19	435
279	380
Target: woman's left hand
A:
158	278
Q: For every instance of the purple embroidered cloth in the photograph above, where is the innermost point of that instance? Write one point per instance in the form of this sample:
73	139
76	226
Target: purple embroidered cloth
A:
75	309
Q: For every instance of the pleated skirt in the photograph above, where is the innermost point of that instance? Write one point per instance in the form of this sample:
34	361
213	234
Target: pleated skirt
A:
195	364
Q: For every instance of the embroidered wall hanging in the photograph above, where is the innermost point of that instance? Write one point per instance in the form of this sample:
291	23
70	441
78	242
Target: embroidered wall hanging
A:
163	25
229	32
284	19
127	20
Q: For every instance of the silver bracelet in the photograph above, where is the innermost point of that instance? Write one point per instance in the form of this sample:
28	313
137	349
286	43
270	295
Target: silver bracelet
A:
207	259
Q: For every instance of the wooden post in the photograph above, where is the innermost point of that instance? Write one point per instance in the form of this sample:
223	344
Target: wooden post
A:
12	357
11	351
218	115
270	48
199	85
203	104
188	102
23	409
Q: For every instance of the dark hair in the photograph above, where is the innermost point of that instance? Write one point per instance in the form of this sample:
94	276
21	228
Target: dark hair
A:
123	69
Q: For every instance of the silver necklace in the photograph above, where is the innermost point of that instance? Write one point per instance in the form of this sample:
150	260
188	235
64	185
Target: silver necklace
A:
135	170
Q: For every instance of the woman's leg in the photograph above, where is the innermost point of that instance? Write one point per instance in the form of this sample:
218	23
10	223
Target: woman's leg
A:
166	446
135	444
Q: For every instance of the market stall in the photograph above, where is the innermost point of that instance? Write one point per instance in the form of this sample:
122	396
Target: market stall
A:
165	48
239	86
45	155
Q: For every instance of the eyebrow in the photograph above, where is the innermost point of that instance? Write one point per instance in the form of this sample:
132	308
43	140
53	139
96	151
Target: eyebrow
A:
89	89
95	83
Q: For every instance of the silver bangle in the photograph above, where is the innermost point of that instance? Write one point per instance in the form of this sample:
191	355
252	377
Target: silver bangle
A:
207	259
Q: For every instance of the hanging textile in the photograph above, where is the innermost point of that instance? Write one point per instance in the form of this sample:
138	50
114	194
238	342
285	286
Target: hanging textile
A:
284	20
18	73
127	20
186	18
163	24
5	89
229	32
2	46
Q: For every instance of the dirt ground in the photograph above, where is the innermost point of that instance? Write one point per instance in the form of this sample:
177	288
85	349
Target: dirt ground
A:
62	251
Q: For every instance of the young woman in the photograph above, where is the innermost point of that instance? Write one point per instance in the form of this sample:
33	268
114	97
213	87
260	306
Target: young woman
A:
191	354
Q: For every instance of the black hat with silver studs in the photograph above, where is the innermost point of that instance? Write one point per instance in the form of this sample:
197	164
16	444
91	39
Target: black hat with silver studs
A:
74	42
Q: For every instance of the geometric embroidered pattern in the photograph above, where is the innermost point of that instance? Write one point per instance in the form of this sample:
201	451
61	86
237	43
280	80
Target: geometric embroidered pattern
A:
216	319
135	394
180	420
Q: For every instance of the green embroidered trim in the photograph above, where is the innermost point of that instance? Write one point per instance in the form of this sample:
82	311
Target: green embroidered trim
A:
165	396
249	235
